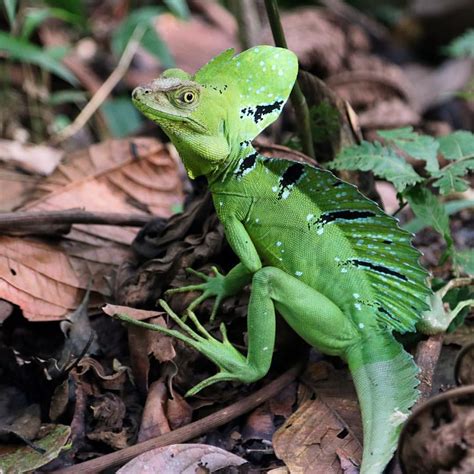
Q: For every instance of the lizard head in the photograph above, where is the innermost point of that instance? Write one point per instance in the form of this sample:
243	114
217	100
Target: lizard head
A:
228	101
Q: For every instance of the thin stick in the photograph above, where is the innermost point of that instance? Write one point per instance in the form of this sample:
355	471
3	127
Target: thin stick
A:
13	220
297	98
107	87
190	431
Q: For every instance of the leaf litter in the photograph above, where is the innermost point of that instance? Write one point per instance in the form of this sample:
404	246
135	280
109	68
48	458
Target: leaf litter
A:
108	410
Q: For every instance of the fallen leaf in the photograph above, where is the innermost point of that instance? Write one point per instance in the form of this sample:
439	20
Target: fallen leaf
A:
182	458
154	421
439	435
41	159
310	439
16	188
52	439
48	279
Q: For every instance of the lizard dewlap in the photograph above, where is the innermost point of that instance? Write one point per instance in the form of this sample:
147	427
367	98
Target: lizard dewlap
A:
363	280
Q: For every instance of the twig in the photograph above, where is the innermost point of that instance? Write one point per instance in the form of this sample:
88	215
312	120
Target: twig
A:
192	430
107	87
427	355
297	98
246	15
14	220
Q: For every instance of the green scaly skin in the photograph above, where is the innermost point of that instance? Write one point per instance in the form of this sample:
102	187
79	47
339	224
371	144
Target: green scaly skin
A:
335	266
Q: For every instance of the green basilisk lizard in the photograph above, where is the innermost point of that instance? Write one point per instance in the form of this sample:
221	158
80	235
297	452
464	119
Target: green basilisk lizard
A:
330	261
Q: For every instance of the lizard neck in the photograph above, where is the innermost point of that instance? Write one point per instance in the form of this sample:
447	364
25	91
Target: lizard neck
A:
240	161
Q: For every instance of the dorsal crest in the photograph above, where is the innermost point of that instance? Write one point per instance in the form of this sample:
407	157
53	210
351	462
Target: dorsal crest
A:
258	81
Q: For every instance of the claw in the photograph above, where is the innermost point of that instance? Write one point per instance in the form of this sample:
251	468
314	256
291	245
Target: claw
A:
198	324
198	274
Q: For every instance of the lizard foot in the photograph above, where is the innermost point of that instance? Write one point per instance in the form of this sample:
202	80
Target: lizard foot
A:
212	286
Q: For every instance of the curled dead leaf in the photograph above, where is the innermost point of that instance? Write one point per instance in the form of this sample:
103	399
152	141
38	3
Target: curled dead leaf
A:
439	435
182	458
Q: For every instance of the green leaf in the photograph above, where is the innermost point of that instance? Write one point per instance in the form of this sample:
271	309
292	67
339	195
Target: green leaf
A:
430	211
121	116
457	146
22	50
10	8
450	177
67	96
75	7
462	46
383	162
156	46
150	39
465	259
451	207
420	147
179	8
35	16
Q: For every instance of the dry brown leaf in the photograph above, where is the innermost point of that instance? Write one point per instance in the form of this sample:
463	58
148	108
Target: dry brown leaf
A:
311	440
47	279
39	159
182	458
16	188
194	42
154	421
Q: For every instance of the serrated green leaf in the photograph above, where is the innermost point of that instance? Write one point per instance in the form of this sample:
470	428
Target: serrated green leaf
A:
383	162
451	207
10	8
22	50
457	146
463	46
420	147
430	211
450	177
465	259
179	8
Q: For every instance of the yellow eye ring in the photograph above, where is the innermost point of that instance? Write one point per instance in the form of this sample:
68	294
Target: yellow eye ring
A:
188	97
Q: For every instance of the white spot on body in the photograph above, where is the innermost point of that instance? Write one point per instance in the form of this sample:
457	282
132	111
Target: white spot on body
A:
280	72
337	259
274	189
358	306
298	274
285	194
320	231
361	325
257	220
356	295
343	270
309	217
221	203
278	244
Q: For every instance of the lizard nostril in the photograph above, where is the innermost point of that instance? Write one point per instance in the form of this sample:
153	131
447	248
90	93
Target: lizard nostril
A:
135	92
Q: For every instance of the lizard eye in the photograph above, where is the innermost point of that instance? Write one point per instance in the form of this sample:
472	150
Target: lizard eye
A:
188	97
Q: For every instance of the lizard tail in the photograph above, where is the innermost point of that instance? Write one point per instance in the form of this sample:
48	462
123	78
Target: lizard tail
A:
385	379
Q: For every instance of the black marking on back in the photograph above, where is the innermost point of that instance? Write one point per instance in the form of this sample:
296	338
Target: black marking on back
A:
377	268
337	183
346	215
290	177
247	163
384	311
260	111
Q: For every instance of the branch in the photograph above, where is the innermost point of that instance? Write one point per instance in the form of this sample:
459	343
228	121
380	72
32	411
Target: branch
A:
191	430
13	220
297	98
105	89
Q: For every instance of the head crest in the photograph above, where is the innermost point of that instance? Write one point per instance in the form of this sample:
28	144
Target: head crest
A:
259	81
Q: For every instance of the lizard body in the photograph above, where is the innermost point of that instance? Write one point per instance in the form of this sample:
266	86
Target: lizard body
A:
330	261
